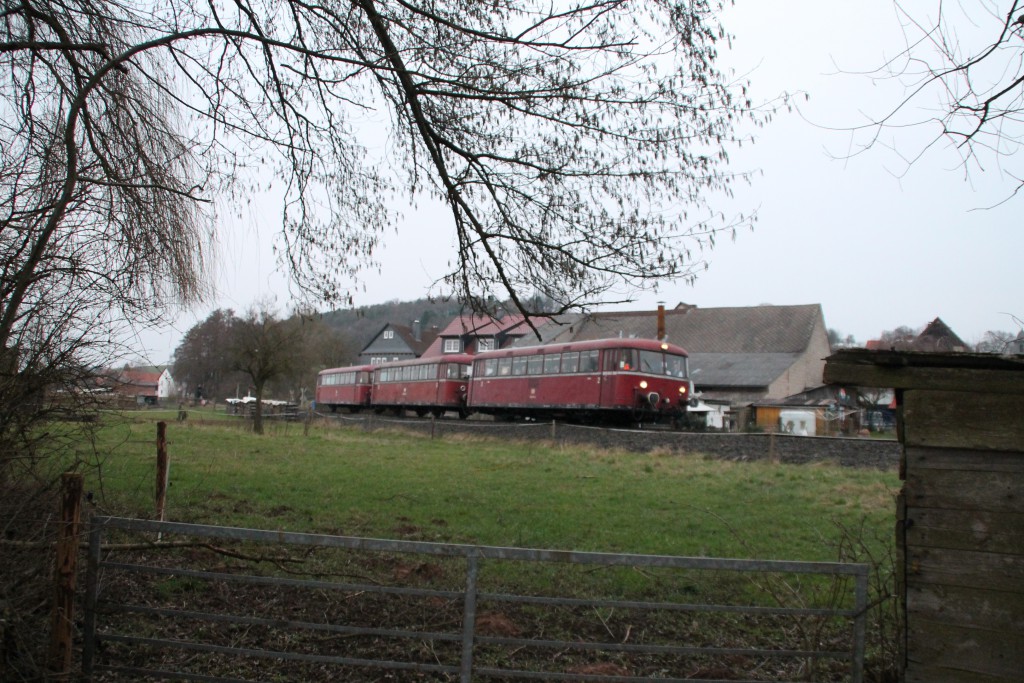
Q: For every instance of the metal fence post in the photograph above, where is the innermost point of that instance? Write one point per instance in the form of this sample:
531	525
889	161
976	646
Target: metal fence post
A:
469	617
91	589
860	621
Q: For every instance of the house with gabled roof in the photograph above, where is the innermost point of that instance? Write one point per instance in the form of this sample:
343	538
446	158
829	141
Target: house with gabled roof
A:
147	385
398	342
473	333
742	354
936	337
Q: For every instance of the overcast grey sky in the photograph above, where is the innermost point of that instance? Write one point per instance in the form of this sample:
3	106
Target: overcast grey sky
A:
877	244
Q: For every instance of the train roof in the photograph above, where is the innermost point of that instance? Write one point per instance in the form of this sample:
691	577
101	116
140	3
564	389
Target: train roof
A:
348	368
612	343
464	358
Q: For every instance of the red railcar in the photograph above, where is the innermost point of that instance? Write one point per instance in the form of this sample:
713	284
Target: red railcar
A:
344	388
623	380
425	385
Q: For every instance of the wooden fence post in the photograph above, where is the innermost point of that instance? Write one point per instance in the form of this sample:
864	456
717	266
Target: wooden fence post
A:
67	562
162	466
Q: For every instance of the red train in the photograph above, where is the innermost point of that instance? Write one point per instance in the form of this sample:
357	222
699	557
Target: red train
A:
424	385
607	380
345	388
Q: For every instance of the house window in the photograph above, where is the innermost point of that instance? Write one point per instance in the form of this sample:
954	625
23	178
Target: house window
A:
485	345
389	334
452	345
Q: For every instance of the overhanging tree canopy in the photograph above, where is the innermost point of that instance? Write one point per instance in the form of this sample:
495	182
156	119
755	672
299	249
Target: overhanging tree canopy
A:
576	144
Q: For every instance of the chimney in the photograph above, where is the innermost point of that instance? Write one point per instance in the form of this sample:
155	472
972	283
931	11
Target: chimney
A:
661	322
417	331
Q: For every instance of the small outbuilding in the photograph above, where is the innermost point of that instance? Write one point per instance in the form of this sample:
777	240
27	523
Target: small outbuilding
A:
960	513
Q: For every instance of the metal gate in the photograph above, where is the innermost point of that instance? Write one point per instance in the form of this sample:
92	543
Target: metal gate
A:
246	610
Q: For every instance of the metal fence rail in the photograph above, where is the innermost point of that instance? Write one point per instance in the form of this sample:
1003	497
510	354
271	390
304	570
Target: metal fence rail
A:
124	637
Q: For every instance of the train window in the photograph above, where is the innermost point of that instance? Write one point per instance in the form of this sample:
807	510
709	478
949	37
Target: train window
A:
675	365
490	367
588	361
570	361
362	377
504	367
621	359
534	365
652	362
519	365
552	363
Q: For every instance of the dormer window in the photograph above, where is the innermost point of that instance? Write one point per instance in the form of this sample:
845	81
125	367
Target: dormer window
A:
485	345
452	345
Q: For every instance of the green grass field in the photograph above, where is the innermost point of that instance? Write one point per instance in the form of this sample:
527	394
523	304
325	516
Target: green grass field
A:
398	485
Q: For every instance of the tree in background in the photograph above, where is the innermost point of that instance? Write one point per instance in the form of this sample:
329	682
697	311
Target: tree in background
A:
263	347
901	335
318	346
202	361
963	65
994	342
211	350
837	340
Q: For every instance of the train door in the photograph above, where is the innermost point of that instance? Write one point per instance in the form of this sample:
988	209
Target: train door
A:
616	384
585	377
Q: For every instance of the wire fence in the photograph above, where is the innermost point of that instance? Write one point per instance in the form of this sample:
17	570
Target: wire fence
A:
237	605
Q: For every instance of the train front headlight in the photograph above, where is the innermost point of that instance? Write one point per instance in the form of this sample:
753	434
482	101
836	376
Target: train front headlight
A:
643	384
682	390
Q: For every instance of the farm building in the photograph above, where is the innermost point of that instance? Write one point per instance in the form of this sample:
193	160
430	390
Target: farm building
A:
146	385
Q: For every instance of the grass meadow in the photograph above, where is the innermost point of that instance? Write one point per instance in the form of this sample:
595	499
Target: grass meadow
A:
392	484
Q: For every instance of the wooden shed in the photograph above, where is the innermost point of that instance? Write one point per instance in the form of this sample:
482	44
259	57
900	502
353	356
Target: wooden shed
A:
960	516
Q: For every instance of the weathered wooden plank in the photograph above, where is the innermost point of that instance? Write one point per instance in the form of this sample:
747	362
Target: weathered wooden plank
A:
922	673
957	490
969	607
945	567
957	419
967	460
993	532
983	651
897	376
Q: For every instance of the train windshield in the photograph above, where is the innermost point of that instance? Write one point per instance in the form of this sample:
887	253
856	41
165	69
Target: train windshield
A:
456	371
660	363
